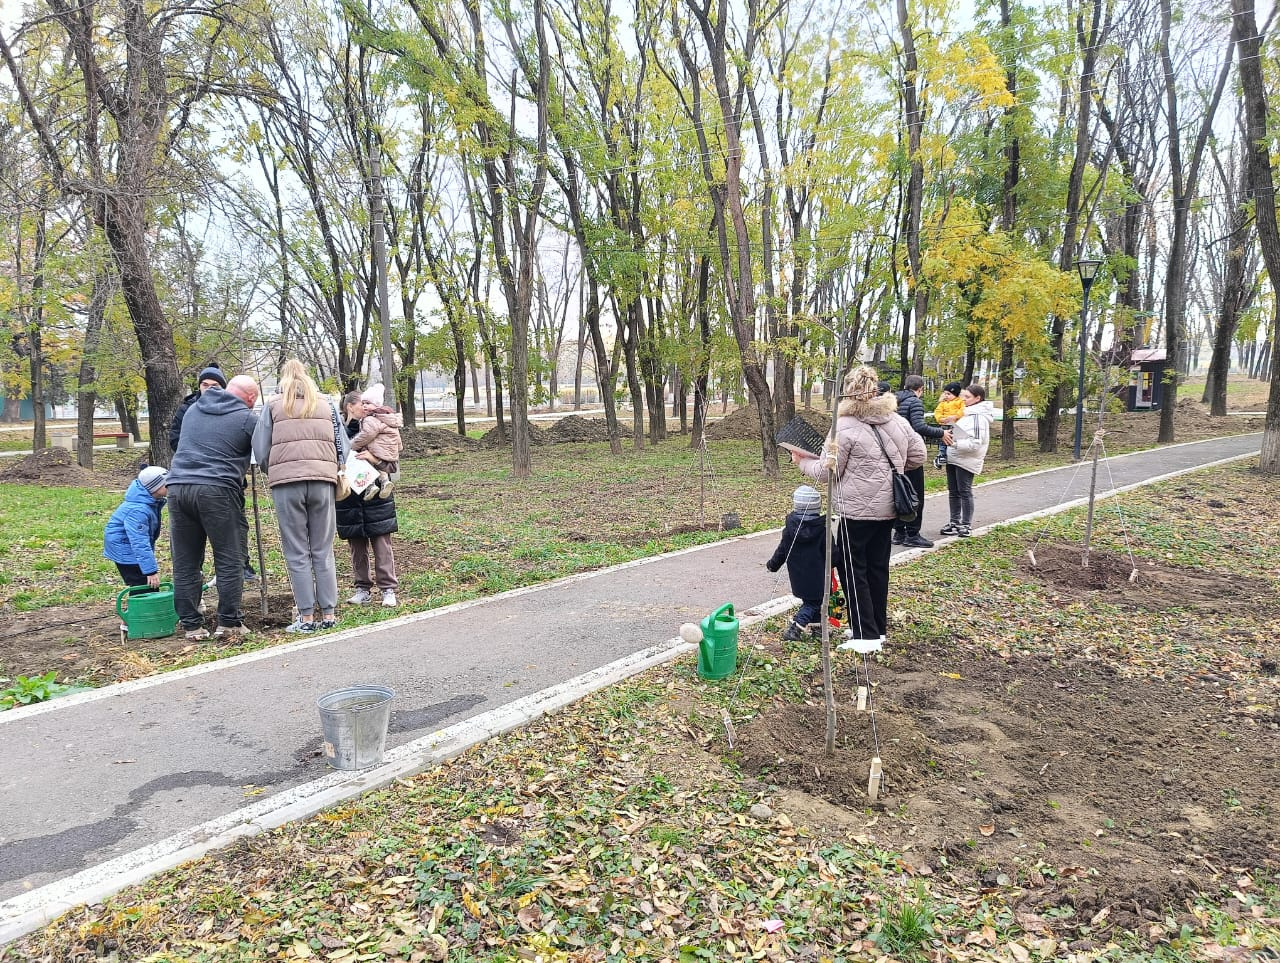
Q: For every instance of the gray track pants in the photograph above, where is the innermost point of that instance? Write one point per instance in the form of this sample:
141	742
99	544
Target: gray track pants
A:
307	526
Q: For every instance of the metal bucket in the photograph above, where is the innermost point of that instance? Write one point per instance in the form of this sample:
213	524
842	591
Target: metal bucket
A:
354	722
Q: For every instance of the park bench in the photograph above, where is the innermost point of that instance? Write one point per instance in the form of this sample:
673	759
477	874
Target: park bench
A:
69	441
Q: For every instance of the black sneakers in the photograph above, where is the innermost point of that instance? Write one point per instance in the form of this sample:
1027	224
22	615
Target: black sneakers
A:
916	540
793	633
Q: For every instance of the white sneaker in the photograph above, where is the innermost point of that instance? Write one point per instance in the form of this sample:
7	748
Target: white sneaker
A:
362	597
389	599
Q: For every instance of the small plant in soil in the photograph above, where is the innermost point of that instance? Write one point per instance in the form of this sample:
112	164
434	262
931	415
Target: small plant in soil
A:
29	690
906	927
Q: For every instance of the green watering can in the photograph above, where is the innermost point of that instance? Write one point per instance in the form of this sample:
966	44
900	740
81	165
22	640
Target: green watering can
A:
718	650
147	613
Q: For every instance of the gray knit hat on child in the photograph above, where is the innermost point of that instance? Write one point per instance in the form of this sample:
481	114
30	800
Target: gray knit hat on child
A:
807	500
153	478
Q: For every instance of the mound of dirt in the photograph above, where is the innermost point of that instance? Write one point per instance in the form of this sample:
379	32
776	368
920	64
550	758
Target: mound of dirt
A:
49	466
743	424
419	442
492	439
574	428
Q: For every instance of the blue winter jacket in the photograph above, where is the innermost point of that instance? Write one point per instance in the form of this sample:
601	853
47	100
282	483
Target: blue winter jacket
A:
133	528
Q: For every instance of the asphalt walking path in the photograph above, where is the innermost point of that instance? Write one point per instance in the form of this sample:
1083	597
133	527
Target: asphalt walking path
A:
106	787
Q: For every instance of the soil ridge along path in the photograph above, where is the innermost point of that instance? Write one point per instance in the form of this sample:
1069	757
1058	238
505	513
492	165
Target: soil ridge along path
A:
96	776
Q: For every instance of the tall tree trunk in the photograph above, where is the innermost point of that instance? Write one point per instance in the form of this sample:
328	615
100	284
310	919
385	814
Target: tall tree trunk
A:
1089	42
702	376
1184	180
1238	292
86	392
918	305
1009	221
1262	189
725	187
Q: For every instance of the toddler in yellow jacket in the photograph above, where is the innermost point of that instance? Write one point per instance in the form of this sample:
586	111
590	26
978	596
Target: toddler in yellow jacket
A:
950	410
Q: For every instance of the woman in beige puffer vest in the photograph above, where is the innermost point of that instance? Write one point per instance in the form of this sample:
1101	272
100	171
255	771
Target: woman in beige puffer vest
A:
299	443
863	497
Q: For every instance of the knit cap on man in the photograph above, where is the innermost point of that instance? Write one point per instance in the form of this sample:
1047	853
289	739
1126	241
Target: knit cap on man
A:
806	500
373	394
213	373
153	478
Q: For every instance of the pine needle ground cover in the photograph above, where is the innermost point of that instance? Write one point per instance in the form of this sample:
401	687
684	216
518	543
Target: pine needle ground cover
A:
1078	767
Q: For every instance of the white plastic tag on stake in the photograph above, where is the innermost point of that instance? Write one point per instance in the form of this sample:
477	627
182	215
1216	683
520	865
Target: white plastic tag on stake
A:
873	782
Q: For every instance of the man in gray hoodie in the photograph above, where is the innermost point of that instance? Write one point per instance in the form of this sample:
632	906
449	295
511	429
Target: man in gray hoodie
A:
206	502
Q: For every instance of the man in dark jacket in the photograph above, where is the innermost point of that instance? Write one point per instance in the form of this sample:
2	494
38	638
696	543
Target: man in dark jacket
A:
210	377
206	503
910	407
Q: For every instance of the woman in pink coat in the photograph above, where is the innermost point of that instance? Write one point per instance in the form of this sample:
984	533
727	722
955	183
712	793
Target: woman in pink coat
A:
863	496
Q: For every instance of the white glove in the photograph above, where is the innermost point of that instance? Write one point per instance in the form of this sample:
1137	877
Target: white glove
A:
828	456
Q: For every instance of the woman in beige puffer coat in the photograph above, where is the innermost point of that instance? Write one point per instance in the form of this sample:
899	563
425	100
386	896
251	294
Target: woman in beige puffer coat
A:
863	497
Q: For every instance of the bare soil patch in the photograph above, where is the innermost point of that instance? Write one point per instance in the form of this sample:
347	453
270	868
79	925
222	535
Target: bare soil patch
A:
1093	786
1142	583
83	641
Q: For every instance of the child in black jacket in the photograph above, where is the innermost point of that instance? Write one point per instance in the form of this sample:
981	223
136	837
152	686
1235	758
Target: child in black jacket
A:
803	549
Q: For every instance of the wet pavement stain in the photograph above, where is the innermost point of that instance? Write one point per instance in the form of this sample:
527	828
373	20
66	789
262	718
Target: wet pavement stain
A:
413	720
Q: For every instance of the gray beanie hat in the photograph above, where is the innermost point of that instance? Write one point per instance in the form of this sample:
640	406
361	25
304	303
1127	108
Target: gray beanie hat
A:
806	499
153	478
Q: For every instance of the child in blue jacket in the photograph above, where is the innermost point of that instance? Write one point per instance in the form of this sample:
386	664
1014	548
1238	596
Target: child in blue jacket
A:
132	530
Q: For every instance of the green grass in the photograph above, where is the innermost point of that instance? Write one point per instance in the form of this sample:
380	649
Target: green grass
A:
52	550
468	528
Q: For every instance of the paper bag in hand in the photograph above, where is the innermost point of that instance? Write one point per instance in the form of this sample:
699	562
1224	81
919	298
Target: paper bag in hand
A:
359	473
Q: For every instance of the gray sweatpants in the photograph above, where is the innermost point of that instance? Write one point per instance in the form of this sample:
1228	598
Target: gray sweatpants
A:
307	526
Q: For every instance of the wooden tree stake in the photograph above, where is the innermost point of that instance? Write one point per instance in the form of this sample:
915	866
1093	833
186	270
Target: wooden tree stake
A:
862	698
876	778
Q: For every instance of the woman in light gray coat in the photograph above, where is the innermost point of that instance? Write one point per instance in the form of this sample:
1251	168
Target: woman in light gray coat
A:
966	456
863	497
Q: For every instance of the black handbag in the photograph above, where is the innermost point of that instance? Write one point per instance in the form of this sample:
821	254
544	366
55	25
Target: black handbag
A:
904	493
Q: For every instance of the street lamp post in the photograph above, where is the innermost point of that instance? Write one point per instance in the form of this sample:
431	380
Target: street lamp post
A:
1088	268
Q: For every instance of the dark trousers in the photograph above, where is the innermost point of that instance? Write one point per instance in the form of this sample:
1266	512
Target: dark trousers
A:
866	545
960	494
809	613
244	535
131	574
916	477
200	514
